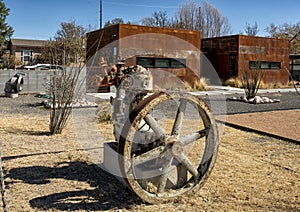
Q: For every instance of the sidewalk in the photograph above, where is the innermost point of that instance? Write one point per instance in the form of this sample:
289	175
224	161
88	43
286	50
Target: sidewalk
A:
231	90
213	90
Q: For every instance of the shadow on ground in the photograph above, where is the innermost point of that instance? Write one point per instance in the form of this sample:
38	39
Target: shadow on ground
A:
107	192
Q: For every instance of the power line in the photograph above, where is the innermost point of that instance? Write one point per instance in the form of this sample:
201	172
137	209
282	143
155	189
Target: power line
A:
143	5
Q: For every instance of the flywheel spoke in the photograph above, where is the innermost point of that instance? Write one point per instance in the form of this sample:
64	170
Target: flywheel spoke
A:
186	162
194	136
164	176
159	131
179	117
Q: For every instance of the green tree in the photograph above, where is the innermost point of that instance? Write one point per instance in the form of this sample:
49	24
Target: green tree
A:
6	31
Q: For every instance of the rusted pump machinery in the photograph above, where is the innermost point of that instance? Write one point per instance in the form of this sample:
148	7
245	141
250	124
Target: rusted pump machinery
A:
166	142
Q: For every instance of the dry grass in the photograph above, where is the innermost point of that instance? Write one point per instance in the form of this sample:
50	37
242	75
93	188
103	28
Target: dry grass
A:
200	85
234	82
289	84
52	173
237	83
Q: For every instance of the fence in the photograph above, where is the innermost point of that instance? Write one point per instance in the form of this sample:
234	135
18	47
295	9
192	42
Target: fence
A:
35	81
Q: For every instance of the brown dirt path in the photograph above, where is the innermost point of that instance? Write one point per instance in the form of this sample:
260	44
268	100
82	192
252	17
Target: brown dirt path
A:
282	124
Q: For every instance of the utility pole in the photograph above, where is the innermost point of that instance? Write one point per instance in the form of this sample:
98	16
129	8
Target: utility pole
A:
100	14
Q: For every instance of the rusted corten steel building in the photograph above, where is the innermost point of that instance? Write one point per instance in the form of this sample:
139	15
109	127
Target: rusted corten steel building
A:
169	53
232	55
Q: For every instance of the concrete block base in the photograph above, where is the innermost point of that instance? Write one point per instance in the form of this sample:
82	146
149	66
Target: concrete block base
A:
11	95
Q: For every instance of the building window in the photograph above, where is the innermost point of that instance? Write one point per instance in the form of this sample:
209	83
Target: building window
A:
254	65
178	63
26	56
145	62
149	62
162	63
275	65
264	65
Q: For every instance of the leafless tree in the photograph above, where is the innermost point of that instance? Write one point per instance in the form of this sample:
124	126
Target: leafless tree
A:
204	18
71	38
158	19
66	47
288	31
251	30
186	17
114	21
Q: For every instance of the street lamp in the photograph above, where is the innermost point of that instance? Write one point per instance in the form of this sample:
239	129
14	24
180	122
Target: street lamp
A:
100	14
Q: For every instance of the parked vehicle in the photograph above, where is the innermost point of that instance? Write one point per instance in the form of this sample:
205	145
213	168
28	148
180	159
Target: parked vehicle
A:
42	67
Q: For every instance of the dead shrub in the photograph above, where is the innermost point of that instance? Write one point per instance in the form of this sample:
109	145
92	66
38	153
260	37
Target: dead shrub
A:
104	113
64	89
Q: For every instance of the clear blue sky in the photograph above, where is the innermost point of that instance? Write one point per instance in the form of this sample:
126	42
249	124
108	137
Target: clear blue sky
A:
40	19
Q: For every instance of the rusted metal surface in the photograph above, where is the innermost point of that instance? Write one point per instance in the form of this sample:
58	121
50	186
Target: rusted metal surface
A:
230	55
132	41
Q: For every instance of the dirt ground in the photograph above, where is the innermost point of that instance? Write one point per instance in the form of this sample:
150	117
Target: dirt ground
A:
283	123
53	173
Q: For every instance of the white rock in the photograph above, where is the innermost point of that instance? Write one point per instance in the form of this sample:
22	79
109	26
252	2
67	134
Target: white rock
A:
258	99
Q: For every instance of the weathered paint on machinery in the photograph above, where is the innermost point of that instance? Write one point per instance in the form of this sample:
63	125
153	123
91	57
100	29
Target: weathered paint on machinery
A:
158	157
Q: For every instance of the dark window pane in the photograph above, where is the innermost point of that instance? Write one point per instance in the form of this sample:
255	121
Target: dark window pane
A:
275	65
145	62
178	63
162	63
265	65
254	65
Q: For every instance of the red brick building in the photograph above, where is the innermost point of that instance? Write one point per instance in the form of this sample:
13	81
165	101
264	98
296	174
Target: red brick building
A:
231	55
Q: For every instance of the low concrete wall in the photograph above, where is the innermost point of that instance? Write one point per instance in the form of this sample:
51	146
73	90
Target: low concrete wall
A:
35	81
